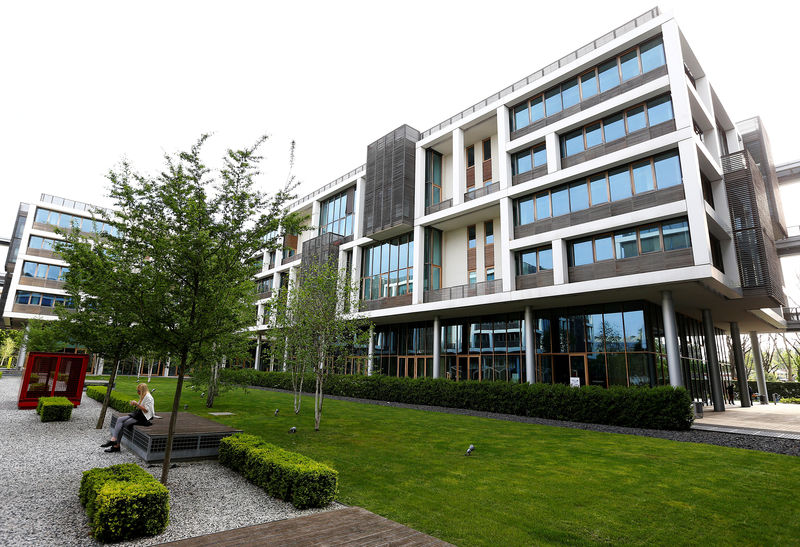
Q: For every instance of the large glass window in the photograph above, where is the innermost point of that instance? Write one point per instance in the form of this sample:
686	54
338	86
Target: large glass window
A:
472	239
578	196
643	176
552	101
619	181
614	127
570	93
387	268
636	119
534	260
433	259
433	177
676	235
589	84
581	253
603	248
608	74
625	243
44	271
629	65
526	160
543	205
659	110
668	170
334	216
599	188
560	201
65	220
652	53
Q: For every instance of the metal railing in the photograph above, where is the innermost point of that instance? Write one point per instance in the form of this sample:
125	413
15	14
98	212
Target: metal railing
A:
791	314
552	67
436	207
464	291
480	192
331	184
72	204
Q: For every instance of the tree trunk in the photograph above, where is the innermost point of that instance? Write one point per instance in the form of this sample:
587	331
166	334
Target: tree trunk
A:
173	418
150	371
317	403
298	391
213	385
107	398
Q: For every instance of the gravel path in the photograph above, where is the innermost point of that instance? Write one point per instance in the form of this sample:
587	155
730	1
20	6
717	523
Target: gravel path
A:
40	473
750	442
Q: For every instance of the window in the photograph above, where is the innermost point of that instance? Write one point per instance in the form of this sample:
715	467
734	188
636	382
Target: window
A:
488	230
473	277
611	128
490	274
619	181
608	75
471	237
44	271
716	253
578	196
643	180
534	260
668	169
387	268
432	279
560	201
433	177
336	214
44	300
543	205
470	156
487	149
708	193
526	160
64	220
630	243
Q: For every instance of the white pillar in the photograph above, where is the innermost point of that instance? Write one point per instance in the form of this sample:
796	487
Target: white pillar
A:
503	136
553	150
23	348
459	167
437	346
257	364
695	203
560	264
671	340
316	207
530	349
677	77
419	182
419	264
371	351
758	363
505	237
358	208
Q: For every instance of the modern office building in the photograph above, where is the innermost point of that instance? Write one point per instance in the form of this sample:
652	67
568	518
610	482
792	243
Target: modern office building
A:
600	222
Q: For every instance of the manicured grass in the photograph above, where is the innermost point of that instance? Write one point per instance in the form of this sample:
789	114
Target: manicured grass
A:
524	484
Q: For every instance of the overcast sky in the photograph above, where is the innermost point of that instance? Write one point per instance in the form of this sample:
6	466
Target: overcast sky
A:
87	83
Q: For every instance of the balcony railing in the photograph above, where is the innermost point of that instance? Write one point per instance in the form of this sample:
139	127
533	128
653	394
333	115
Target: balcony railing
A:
791	314
480	192
436	207
296	256
464	291
331	184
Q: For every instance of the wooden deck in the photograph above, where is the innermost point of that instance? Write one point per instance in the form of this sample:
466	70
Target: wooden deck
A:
350	526
195	437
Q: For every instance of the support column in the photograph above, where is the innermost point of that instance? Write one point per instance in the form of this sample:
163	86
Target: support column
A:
671	340
560	263
257	364
529	346
23	348
505	238
553	151
738	363
713	363
459	167
419	264
503	136
371	351
763	396
437	346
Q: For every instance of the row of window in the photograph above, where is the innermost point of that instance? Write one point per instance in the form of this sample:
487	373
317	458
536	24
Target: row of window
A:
631	242
388	268
433	177
333	215
528	160
617	126
42	299
658	172
65	220
608	75
43	243
264	285
44	271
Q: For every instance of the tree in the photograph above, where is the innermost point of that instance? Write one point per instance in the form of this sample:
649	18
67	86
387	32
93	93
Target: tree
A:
188	239
317	333
9	344
44	336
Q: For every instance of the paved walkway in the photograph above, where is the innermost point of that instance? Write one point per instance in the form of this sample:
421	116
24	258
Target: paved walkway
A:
351	526
781	420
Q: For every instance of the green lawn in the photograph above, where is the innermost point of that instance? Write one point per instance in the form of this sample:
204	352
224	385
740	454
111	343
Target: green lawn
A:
524	484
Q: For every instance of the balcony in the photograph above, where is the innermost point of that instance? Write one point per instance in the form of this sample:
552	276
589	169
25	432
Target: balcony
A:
464	291
39	282
388	302
436	207
480	192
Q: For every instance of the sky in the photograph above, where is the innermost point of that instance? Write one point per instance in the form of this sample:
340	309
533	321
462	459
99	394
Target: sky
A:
87	84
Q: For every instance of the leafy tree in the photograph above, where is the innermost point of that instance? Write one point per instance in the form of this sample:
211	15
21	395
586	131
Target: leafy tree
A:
44	336
188	239
314	330
10	340
100	315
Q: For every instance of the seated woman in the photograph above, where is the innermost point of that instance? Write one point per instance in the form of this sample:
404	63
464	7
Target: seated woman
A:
145	410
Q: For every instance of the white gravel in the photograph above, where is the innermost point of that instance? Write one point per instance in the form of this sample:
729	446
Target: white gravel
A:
40	472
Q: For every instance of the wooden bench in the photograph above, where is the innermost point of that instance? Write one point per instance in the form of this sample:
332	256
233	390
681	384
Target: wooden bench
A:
195	437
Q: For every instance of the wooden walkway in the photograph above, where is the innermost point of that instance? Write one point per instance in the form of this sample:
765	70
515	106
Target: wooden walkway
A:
350	526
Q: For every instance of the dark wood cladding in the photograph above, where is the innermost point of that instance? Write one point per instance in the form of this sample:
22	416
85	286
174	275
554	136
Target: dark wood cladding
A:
322	249
637	137
487	170
529	175
290	240
534	281
472	259
288	259
591	101
757	259
597	212
44	253
28	308
471	176
651	262
383	303
488	255
44	227
38	282
389	182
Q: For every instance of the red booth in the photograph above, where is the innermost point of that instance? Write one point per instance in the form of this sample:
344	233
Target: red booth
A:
53	375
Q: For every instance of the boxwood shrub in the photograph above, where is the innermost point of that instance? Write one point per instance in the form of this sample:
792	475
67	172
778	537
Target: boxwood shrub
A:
117	401
124	502
284	475
662	407
54	409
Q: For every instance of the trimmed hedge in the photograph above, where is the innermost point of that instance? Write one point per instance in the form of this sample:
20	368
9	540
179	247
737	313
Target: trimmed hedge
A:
662	407
284	475
54	409
124	502
117	401
784	389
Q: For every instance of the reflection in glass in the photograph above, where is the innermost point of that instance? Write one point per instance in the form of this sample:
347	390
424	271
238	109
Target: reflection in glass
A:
578	196
603	248
612	325
636	119
581	252
668	170
659	110
570	95
608	74
650	239
594	135
589	84
676	235
643	176
599	189
552	99
629	63
626	244
635	339
652	55
620	182
543	205
560	200
617	371
546	259
613	128
597	369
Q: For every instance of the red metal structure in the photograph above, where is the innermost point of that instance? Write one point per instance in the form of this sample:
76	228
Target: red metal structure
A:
53	375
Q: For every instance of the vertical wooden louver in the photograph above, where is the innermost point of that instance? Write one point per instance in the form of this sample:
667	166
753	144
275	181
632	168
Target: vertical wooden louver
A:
470	157
487	160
